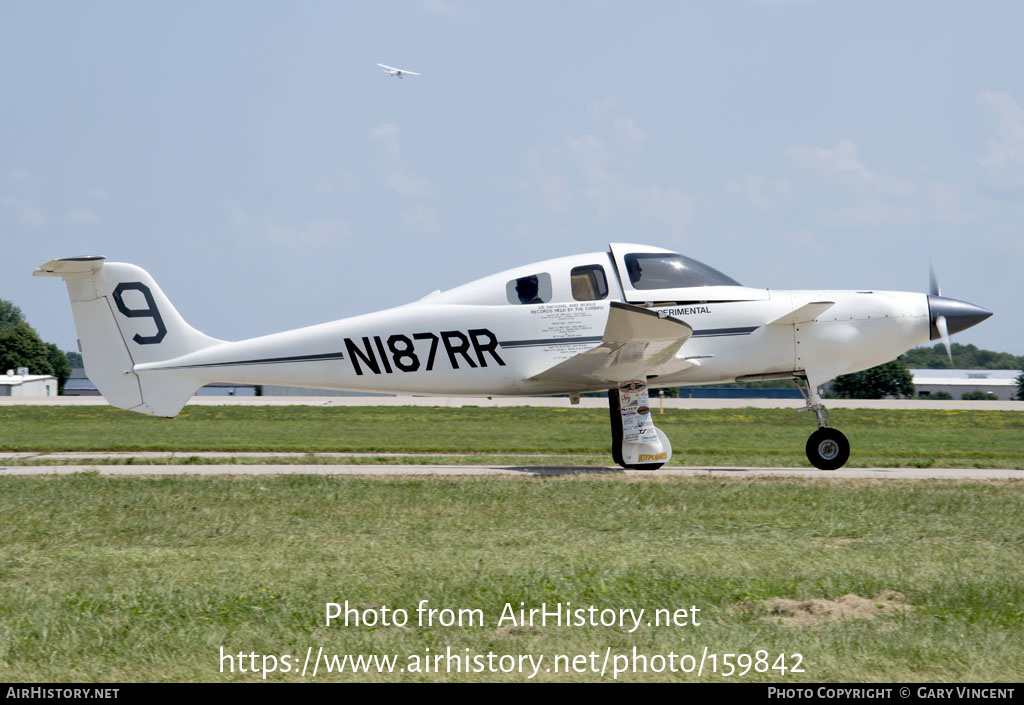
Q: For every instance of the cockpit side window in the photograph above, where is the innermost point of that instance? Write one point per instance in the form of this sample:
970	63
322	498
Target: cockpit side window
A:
588	283
532	289
669	271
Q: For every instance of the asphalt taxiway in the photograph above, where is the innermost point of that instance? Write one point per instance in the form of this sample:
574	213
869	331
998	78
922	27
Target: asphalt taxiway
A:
958	474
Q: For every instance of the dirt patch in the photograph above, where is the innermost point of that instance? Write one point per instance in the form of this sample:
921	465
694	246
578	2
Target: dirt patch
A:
795	613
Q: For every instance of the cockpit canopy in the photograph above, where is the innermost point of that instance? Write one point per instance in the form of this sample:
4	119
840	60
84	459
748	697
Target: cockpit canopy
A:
659	270
635	273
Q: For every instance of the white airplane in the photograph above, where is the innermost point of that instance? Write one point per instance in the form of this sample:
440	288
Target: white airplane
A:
392	71
623	321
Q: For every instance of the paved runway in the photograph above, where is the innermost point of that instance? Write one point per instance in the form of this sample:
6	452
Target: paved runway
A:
585	402
958	474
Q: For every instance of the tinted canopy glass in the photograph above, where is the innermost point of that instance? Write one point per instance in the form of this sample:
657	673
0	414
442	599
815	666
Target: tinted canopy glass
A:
588	283
659	270
533	289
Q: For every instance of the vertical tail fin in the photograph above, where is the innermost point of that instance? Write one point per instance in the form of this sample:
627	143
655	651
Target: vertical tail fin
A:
124	319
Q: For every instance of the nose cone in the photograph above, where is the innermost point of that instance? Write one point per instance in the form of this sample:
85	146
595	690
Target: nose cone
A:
959	315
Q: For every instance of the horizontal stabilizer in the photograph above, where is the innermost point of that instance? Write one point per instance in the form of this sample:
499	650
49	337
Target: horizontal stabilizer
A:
637	343
69	265
804	314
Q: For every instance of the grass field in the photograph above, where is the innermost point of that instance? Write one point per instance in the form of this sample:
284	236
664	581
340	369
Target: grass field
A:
145	579
726	437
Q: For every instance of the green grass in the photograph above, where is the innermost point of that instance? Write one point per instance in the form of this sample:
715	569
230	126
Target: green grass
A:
126	579
724	437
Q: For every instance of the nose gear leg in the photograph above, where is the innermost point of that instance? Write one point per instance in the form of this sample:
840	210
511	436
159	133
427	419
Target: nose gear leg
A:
827	448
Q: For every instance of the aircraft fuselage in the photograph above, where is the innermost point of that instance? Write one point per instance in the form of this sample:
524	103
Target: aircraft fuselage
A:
442	345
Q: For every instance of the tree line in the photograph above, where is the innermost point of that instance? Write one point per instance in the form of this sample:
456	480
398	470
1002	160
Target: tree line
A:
21	346
965	357
893	379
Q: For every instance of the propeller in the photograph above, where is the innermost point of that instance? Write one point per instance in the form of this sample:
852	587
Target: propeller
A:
940	321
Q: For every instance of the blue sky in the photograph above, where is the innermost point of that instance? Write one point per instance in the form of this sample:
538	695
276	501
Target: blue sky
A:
256	161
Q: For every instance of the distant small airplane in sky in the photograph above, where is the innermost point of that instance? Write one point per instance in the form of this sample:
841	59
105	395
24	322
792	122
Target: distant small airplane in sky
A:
392	71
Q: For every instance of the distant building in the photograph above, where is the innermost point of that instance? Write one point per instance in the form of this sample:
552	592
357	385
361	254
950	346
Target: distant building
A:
78	385
737	393
225	389
22	384
1002	383
271	390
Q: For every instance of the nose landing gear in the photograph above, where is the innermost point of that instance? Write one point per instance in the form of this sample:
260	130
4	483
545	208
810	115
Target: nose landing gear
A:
827	448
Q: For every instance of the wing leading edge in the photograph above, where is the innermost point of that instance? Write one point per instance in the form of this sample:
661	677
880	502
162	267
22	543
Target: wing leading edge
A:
637	343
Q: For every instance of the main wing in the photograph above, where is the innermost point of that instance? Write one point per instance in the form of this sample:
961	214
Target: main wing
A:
637	343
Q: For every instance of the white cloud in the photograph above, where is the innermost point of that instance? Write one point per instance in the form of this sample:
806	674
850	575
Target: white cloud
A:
316	234
19	177
1009	148
945	204
589	172
671	207
761	193
24	210
630	137
324	187
598	112
801	238
854	194
399	178
82	216
554	190
387	134
439	7
406	183
423	218
840	160
872	213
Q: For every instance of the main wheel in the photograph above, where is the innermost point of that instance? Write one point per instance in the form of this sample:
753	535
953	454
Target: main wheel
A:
615	416
828	449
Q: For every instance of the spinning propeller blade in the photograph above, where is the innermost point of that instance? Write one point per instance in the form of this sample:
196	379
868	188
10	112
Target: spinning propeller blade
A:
940	321
950	316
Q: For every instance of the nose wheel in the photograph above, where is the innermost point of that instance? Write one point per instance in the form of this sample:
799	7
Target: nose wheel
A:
828	449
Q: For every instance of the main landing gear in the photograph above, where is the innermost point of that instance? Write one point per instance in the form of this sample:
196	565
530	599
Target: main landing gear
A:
827	448
636	443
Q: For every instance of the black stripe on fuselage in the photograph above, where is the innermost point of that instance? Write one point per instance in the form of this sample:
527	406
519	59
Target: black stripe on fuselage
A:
706	333
263	361
716	332
542	342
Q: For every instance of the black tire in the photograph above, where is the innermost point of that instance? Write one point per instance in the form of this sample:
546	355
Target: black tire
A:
828	449
615	417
